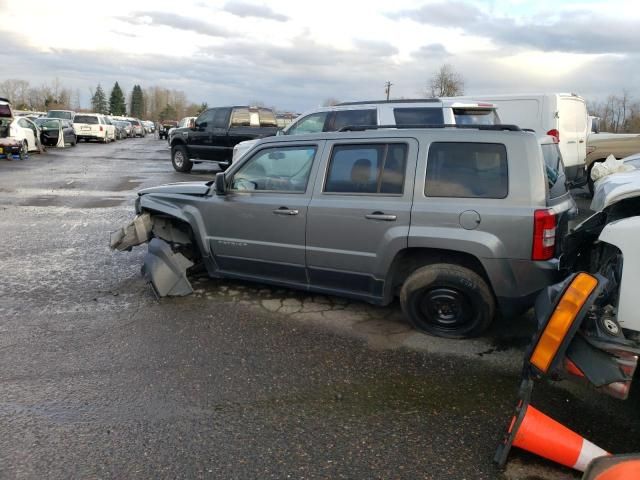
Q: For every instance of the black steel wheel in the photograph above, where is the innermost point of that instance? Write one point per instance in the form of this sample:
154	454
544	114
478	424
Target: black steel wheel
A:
447	300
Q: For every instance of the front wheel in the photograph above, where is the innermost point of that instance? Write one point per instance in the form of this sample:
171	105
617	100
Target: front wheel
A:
180	159
24	150
447	300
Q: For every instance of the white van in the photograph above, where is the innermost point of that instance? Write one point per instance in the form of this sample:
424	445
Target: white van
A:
562	115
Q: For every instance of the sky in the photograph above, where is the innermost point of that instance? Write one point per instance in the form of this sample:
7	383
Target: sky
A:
296	54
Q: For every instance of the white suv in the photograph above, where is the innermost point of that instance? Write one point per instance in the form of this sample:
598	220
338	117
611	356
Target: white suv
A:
422	112
93	126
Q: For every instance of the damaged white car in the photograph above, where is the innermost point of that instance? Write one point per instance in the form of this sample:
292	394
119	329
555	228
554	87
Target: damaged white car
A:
589	327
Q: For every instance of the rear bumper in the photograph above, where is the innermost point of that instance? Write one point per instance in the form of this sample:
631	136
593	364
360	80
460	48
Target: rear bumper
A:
516	283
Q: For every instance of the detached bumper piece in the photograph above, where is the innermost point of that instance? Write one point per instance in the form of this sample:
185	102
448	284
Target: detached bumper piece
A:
166	270
136	233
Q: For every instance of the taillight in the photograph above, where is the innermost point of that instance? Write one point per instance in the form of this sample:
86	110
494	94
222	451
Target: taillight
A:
554	133
100	127
544	235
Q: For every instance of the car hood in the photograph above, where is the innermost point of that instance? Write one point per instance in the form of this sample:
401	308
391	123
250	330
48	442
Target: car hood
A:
184	188
615	188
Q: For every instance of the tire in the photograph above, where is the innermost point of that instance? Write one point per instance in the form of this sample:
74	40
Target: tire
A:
24	150
180	159
448	301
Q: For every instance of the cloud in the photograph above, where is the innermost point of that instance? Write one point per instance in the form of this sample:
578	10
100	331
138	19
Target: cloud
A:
373	47
242	9
433	50
300	76
444	14
178	22
567	31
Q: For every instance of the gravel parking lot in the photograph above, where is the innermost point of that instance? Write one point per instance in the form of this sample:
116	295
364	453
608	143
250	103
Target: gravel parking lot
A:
101	380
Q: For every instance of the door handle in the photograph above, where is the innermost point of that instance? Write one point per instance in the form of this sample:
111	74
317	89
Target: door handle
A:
381	216
285	211
581	141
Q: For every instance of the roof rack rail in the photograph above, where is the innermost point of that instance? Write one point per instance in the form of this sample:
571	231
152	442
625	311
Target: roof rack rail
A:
403	100
499	127
2	99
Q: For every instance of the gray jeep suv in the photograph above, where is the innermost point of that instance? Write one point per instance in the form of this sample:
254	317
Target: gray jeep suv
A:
457	222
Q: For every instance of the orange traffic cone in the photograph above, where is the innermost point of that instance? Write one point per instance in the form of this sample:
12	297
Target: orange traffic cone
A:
537	433
618	467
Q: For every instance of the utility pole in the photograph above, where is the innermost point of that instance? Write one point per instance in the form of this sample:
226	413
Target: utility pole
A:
387	88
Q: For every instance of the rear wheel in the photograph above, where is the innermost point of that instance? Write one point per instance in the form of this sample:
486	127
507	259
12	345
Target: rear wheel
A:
180	159
447	300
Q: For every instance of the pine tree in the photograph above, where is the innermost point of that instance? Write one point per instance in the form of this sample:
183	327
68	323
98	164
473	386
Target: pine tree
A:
137	102
99	101
117	104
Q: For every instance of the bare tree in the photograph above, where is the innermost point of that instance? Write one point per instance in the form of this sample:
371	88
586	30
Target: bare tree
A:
618	114
446	82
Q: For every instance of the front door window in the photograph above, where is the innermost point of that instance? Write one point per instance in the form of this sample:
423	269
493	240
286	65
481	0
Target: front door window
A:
278	169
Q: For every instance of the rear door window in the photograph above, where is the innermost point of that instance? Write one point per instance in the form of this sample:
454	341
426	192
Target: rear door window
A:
368	168
418	116
240	117
220	118
267	118
467	170
344	118
86	119
475	116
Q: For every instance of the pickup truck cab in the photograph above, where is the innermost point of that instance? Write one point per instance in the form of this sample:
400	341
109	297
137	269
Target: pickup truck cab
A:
212	136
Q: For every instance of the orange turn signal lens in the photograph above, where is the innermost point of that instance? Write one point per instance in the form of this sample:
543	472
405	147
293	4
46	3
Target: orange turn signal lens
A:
570	304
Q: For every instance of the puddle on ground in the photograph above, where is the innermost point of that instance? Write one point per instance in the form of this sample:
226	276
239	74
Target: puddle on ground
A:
120	185
72	202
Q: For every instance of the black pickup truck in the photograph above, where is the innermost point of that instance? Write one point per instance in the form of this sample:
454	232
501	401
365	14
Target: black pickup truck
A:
212	136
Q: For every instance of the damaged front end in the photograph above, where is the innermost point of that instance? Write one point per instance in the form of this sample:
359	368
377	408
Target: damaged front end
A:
171	251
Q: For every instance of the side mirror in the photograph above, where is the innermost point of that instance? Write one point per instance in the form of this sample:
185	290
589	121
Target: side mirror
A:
192	123
221	184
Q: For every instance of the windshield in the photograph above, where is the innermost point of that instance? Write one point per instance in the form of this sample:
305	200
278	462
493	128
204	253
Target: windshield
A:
88	119
554	169
475	116
60	114
47	123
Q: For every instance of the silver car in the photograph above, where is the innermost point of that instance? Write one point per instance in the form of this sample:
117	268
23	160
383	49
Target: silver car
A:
459	223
